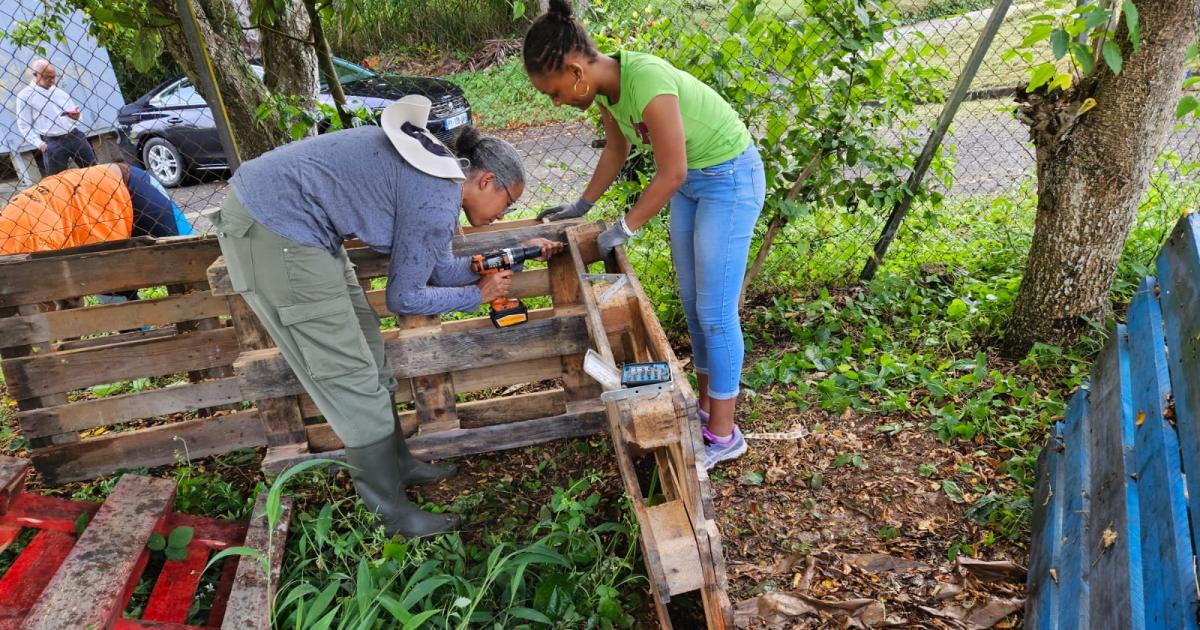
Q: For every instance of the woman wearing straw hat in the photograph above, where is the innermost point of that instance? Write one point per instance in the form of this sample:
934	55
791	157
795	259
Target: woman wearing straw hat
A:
398	190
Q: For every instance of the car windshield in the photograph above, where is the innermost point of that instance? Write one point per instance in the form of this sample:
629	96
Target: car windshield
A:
347	73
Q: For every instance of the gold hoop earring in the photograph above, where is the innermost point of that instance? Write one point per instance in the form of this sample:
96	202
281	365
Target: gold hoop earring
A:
586	89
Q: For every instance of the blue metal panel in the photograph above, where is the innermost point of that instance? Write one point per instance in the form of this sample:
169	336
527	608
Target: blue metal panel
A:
84	69
1168	572
1073	569
1113	537
1179	286
1042	583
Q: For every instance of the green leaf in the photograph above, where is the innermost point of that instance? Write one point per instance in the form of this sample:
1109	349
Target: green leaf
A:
1083	56
1059	41
424	588
1036	34
233	551
842	460
275	495
529	614
1041	74
180	536
325	523
1187	105
752	478
1132	21
418	620
925	470
1061	81
953	491
178	554
364	587
1112	56
157	542
1096	18
957	309
81	523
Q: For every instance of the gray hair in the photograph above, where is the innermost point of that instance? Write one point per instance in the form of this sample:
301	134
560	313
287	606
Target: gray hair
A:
488	154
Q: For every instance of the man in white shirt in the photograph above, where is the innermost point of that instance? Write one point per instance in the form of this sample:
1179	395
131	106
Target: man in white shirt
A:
46	117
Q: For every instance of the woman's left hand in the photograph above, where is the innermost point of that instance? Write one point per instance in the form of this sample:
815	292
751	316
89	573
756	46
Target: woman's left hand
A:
549	248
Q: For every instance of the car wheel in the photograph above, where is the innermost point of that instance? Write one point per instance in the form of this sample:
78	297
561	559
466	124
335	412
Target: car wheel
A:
163	161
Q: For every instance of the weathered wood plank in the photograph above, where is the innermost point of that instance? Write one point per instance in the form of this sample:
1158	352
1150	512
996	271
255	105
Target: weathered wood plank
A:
112	340
527	284
1074	568
432	394
13	472
582	421
60	372
1179	283
249	606
175	588
1116	597
9	369
156	446
54	325
265	374
1041	608
88	589
1169	575
101	412
676	546
281	417
30	573
35	510
69	276
473	415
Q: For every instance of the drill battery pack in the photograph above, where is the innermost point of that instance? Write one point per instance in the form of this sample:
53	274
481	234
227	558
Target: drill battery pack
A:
514	314
639	374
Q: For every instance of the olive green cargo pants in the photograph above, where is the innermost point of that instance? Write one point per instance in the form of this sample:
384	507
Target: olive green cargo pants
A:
314	309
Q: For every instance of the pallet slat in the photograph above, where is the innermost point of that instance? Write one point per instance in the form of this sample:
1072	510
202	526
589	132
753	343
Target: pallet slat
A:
249	605
171	598
265	373
30	573
1073	570
1179	281
1041	590
156	446
1169	574
1114	525
36	328
72	275
88	589
59	372
103	412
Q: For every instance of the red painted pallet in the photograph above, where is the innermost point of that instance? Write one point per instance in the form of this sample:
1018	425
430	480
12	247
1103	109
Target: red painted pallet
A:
61	580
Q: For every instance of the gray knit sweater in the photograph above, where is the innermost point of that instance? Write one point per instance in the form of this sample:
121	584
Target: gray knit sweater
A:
353	184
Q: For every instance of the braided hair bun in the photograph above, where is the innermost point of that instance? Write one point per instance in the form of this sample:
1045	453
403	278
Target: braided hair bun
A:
552	37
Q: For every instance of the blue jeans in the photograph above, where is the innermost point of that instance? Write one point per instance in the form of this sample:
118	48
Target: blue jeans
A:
60	150
712	221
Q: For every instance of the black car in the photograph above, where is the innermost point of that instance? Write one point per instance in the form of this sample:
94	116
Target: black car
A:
170	129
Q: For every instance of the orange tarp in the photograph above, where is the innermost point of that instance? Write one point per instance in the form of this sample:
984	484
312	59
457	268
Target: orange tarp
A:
75	207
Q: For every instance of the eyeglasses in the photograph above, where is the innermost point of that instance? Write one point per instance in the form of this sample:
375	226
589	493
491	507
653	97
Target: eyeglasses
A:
511	202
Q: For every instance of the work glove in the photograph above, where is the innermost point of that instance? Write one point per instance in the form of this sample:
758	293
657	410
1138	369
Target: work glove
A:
577	208
613	236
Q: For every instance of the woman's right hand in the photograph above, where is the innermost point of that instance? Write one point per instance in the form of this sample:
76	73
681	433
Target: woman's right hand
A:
495	286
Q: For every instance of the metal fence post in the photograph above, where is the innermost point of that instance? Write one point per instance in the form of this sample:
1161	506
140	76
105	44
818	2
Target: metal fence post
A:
935	139
208	83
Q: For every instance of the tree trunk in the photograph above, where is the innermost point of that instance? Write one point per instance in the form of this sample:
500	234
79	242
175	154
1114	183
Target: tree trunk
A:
1093	170
289	60
325	63
241	89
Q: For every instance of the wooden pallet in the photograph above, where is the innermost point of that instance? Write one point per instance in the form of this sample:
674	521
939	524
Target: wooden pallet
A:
1117	505
63	580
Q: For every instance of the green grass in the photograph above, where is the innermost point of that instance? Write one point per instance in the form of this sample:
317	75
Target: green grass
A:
502	97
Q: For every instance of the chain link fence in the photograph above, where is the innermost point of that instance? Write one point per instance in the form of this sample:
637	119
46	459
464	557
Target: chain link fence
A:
179	168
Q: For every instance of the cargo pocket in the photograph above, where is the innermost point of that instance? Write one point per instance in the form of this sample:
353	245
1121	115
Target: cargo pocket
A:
328	337
232	227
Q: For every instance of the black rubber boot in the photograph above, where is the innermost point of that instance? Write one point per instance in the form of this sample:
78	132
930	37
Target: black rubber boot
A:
376	475
414	472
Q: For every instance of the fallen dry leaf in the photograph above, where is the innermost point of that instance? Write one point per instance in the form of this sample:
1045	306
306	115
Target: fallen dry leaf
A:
881	562
1110	537
992	571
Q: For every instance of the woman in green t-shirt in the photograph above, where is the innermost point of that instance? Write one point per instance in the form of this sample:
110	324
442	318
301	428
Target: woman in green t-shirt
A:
709	170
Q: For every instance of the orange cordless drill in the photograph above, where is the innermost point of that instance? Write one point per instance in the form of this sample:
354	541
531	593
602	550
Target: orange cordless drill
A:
505	312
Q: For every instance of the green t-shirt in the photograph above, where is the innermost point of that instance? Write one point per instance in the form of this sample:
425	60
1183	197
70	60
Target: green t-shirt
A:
711	129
